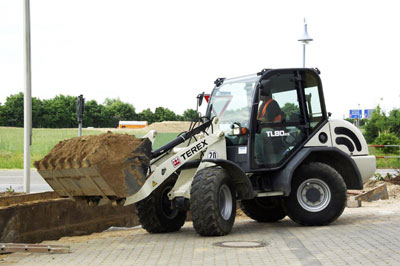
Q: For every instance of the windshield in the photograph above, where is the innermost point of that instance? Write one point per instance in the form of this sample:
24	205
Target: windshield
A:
232	101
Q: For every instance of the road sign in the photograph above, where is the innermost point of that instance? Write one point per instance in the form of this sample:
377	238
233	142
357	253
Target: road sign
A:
355	114
368	113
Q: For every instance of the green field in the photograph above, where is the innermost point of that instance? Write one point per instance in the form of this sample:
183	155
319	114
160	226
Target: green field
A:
12	143
385	163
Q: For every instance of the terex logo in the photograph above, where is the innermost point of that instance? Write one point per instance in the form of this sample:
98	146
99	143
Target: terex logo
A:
194	150
278	133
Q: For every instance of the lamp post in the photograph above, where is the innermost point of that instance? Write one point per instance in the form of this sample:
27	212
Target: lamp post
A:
305	39
27	99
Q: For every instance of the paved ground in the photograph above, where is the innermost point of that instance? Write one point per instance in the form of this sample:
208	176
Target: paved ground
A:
15	180
363	236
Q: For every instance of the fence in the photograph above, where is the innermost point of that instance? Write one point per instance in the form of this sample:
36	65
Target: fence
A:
386	157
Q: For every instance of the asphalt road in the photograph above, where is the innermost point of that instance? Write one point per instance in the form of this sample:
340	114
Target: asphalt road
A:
15	180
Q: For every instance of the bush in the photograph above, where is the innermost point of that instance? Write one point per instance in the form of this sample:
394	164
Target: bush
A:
388	139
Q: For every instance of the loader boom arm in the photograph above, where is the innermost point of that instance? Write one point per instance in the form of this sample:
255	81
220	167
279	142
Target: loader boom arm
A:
177	159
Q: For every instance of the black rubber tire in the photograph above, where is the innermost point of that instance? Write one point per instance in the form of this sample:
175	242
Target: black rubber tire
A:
154	213
337	201
205	202
264	210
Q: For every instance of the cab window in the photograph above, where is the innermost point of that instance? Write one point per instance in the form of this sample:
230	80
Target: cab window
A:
312	97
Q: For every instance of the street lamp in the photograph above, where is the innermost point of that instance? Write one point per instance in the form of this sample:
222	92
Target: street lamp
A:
305	39
27	99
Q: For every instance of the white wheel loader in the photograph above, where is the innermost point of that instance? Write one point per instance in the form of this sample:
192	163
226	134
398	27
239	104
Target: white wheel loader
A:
296	162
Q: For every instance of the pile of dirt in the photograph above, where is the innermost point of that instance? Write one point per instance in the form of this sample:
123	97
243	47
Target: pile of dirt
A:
89	150
119	159
163	127
169	126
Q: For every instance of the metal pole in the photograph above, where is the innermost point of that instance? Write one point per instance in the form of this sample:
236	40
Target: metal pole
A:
305	39
80	129
27	100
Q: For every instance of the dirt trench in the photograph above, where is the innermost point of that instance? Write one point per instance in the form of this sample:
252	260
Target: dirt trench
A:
33	218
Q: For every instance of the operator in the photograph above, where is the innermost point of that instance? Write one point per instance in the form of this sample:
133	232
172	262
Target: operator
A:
269	110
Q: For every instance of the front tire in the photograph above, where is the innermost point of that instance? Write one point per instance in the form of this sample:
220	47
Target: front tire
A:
318	195
264	210
156	213
212	202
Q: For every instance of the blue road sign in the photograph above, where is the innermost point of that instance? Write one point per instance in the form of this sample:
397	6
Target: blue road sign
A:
368	113
355	114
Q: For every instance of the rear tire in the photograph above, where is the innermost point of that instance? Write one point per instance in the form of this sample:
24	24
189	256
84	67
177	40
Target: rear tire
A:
212	202
264	210
156	213
318	195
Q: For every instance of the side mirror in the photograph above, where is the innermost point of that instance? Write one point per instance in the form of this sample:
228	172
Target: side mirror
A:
238	130
200	98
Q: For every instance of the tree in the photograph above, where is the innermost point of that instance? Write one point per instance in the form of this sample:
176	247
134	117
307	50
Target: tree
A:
376	125
147	115
37	109
2	117
388	139
190	115
116	110
93	115
13	110
289	109
394	121
62	111
164	114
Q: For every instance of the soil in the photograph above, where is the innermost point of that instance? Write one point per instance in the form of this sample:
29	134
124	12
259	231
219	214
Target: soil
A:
8	194
116	157
162	127
169	126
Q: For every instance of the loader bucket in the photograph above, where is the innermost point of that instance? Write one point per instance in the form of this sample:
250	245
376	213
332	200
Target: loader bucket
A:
108	165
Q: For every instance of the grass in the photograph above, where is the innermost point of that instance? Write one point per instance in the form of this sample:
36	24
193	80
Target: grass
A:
385	163
12	143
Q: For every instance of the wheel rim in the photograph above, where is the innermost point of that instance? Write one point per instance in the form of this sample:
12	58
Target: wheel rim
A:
166	204
313	195
225	202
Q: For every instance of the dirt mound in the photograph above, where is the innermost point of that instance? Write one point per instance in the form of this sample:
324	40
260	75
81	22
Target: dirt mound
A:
89	150
169	126
118	160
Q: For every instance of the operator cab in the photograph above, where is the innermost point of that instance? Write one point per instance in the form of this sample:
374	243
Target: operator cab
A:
267	117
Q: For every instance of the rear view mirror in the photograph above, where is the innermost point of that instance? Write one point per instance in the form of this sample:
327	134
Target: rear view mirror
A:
200	98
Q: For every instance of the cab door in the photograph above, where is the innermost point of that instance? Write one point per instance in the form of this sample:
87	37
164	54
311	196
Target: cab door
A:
285	118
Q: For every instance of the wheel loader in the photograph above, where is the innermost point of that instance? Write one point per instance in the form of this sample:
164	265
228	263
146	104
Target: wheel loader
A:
297	162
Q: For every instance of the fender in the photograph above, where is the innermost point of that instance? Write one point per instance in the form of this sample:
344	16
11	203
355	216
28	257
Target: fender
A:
339	160
242	183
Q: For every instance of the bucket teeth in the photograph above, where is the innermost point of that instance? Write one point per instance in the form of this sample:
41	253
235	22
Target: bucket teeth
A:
51	164
76	164
68	163
86	163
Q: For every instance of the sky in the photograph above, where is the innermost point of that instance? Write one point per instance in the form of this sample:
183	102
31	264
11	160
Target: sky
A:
164	53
